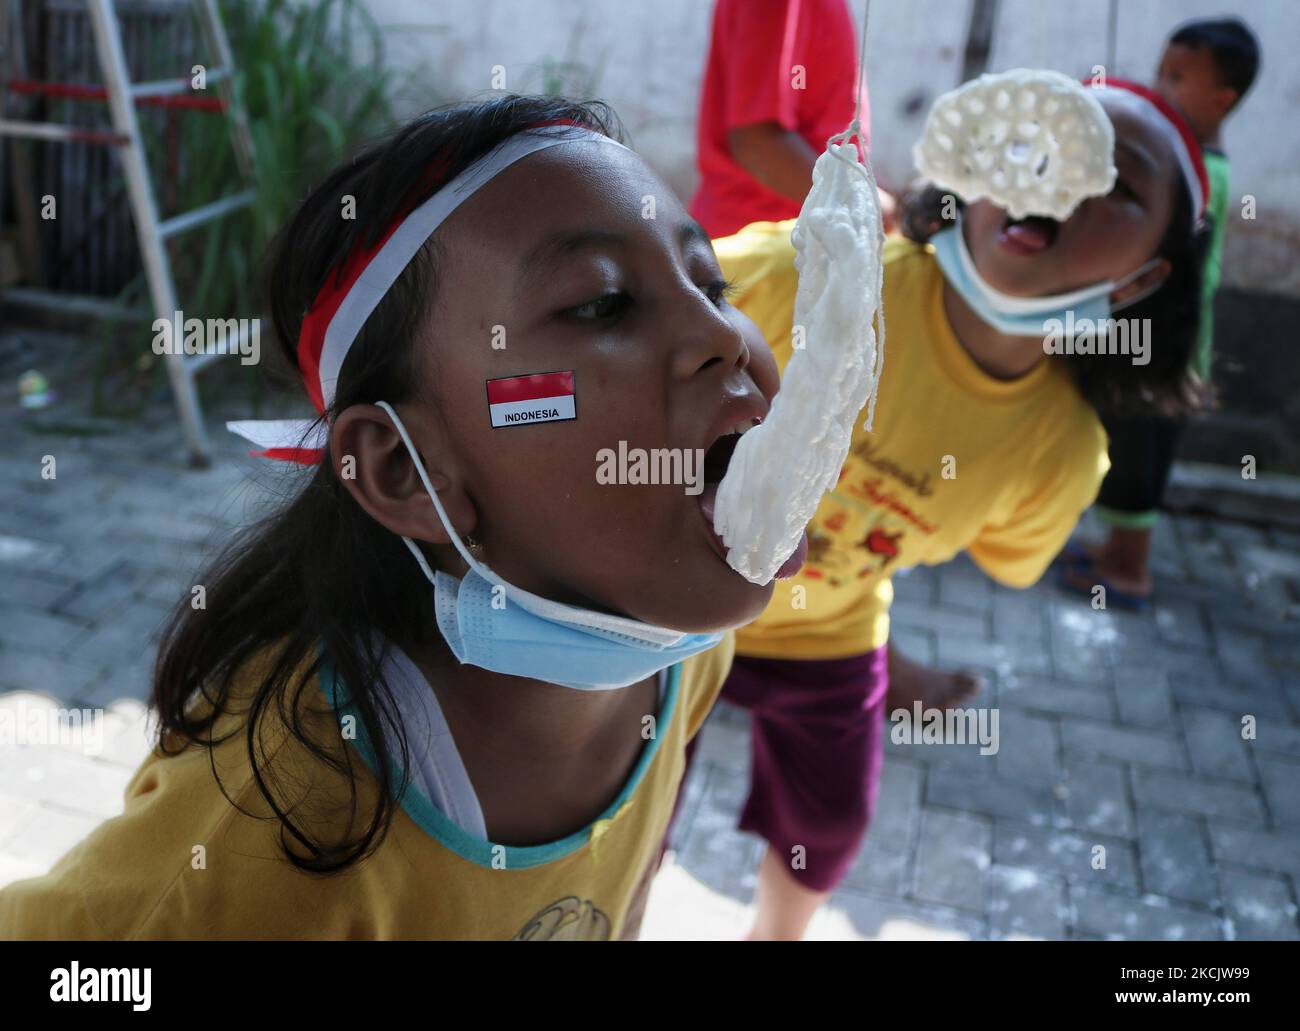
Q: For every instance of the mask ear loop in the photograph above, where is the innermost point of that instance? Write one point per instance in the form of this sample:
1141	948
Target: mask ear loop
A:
1145	292
442	512
660	636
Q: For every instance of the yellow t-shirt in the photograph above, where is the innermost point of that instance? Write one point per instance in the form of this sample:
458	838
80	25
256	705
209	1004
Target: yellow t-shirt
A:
183	862
957	459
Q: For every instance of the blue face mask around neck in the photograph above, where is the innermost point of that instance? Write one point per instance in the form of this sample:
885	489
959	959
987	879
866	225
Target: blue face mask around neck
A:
1024	316
490	623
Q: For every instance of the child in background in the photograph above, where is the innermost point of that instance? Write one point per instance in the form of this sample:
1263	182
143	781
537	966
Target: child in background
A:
981	443
780	81
1207	67
348	752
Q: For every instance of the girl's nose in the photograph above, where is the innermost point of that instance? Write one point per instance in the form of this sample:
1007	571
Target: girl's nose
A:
704	336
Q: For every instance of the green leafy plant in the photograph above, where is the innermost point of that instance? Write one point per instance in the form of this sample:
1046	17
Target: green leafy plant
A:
310	96
312	80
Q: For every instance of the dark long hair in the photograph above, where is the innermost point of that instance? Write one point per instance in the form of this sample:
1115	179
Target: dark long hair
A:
1166	385
320	573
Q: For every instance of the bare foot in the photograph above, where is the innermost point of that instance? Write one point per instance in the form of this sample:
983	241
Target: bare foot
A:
910	682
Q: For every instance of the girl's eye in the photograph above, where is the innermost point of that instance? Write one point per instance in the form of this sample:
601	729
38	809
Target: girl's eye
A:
613	305
1123	189
719	290
607	306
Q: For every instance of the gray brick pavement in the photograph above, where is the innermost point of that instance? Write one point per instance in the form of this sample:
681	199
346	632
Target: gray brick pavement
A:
1259	907
951	858
1111	915
1026	904
1097	797
1175	857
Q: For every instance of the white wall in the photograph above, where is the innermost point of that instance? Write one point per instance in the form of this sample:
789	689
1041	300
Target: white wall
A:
646	58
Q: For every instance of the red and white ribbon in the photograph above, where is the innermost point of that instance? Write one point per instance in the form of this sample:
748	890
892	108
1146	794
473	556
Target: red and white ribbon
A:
1174	128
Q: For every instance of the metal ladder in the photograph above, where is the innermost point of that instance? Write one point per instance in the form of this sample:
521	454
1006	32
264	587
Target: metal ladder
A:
151	231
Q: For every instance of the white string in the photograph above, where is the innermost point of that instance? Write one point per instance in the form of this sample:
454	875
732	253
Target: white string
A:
856	124
855	128
1040	32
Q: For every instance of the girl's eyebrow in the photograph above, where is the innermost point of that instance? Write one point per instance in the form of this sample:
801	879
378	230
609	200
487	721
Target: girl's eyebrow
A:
557	246
1139	154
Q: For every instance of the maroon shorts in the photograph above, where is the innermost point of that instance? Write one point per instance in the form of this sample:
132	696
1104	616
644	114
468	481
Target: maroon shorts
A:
816	734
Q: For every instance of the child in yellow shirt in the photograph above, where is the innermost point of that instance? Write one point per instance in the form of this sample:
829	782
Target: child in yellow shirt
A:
445	692
981	442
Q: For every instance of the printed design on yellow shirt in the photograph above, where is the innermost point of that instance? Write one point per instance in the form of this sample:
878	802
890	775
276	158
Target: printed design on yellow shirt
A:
842	549
567	919
861	527
867	476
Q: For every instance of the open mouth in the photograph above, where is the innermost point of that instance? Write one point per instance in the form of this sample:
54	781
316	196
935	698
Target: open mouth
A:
717	459
1031	235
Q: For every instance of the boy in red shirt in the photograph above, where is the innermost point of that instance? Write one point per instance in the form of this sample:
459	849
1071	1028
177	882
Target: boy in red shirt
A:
780	80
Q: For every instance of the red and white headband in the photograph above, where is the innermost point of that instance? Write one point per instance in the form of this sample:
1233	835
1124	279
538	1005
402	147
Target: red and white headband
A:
1174	128
348	299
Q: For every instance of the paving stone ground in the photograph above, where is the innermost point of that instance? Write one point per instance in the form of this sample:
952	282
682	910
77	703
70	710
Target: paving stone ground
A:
1120	734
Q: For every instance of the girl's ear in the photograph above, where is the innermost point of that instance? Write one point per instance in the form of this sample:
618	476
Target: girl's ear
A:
1145	284
373	464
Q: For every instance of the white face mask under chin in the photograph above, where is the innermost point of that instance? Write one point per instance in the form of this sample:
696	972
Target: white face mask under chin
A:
1026	316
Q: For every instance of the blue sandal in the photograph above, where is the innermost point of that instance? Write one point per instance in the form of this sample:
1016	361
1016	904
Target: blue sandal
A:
1073	555
1114	597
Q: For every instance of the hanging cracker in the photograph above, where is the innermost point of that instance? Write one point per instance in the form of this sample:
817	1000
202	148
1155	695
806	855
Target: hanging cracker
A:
1033	141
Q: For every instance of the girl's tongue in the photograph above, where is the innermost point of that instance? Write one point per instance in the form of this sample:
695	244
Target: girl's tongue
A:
1031	235
788	568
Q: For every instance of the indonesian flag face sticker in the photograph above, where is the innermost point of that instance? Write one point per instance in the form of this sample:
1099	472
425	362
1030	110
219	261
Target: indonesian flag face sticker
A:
540	397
